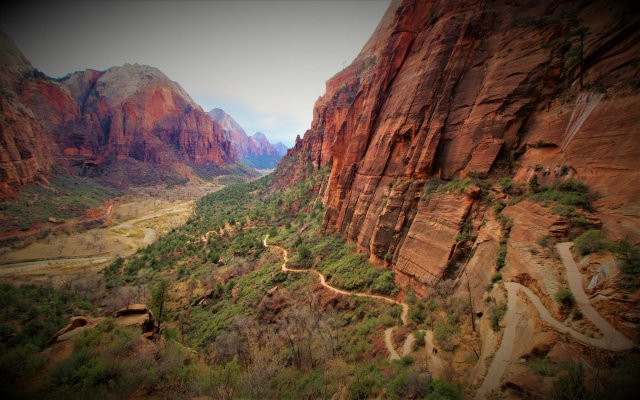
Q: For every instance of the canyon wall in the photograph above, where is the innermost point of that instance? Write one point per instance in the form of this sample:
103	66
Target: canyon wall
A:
92	121
243	145
455	89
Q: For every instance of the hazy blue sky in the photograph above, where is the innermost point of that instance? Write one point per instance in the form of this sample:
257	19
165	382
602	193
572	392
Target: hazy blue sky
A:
264	62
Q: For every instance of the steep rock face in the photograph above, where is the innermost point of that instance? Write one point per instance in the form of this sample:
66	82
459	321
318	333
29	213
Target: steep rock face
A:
24	145
244	146
91	119
136	111
445	89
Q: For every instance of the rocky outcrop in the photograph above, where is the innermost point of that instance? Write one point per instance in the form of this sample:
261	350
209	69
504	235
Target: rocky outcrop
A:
452	89
254	148
90	120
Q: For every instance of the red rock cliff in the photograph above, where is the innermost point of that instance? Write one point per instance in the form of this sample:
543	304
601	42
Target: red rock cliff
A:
448	88
91	118
136	111
24	144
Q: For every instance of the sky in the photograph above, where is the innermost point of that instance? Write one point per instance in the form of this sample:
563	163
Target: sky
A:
264	62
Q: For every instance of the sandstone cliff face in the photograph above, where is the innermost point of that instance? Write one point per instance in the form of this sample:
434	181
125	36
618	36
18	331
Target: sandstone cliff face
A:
89	120
24	146
446	89
136	112
243	145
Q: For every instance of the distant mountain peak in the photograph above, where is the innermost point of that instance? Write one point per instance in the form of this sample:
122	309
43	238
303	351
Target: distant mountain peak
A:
261	137
256	149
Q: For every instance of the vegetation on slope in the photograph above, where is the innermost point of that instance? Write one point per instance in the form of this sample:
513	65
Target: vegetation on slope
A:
29	316
65	196
268	333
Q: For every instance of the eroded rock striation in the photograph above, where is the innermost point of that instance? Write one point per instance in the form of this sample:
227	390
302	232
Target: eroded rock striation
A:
455	89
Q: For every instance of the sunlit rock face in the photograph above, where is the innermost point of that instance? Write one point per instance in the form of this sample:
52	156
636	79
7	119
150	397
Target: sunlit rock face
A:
446	89
92	117
136	111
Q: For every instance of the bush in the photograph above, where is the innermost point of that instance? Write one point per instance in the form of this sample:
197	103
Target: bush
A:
543	366
498	206
496	277
628	256
571	193
444	334
590	241
501	257
506	184
570	386
364	383
385	284
305	258
565	298
496	313
506	223
442	390
577	314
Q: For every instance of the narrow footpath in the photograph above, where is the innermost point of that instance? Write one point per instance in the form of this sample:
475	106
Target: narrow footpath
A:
388	333
611	339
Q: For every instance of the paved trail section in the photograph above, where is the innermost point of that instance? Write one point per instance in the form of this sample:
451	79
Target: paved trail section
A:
407	348
611	339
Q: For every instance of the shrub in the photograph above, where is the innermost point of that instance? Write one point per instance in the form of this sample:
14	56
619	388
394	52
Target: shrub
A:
457	185
571	193
543	366
565	298
506	184
442	390
577	314
385	284
364	383
496	277
505	222
571	385
430	187
533	184
305	258
419	335
496	313
444	334
546	241
590	241
498	206
628	256
501	257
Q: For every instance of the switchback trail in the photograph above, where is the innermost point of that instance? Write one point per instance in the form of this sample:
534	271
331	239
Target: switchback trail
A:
611	339
388	333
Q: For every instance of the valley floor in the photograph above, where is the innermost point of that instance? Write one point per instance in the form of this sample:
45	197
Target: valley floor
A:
72	253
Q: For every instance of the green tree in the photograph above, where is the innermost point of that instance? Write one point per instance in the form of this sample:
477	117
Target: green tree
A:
304	256
159	295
